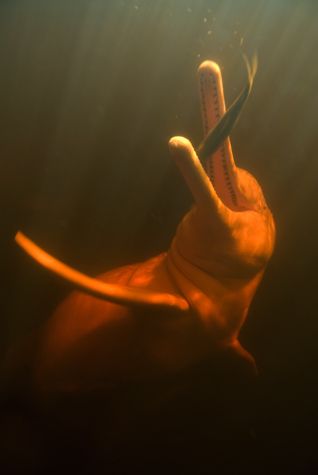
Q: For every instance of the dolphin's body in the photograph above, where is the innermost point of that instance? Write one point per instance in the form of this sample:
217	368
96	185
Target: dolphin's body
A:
174	310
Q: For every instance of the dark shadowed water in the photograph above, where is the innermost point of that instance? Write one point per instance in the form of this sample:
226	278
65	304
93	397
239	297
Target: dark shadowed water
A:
90	93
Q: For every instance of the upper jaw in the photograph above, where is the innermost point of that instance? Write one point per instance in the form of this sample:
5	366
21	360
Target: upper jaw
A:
209	192
215	151
248	192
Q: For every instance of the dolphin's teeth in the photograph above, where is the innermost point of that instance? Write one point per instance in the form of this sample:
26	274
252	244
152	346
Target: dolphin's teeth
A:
215	150
225	125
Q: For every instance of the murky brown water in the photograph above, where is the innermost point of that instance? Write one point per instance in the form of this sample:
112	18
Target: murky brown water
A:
90	93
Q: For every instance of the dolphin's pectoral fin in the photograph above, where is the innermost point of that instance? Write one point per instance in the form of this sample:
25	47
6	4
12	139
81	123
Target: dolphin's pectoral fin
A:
121	294
237	351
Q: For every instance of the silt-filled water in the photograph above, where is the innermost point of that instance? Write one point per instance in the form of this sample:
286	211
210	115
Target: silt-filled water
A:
90	94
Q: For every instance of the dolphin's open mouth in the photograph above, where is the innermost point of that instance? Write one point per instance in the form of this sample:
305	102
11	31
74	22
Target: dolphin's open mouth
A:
215	150
211	175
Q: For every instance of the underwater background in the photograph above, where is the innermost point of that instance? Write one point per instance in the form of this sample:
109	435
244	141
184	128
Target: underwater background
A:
90	93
